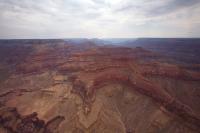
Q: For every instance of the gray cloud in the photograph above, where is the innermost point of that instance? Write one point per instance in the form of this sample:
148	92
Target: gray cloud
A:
98	18
156	8
172	5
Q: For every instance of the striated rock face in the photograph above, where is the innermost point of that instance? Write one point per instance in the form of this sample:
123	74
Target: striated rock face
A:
76	89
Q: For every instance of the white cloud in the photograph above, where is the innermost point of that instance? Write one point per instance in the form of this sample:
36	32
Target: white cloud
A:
98	18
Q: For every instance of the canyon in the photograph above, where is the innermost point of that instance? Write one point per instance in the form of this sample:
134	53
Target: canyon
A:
57	86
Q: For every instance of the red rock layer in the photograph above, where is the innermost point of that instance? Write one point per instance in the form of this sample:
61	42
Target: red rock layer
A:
99	66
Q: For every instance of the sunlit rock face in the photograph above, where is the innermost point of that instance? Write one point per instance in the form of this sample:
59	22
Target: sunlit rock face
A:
64	88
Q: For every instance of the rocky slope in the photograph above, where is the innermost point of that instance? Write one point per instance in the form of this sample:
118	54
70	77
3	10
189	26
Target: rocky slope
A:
58	87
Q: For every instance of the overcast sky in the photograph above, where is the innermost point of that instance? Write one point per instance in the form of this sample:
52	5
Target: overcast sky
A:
99	18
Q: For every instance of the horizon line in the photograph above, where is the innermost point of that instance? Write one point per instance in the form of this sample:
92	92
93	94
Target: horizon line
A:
90	38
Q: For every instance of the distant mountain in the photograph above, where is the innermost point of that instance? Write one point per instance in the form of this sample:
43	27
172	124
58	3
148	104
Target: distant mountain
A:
112	41
148	42
186	50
